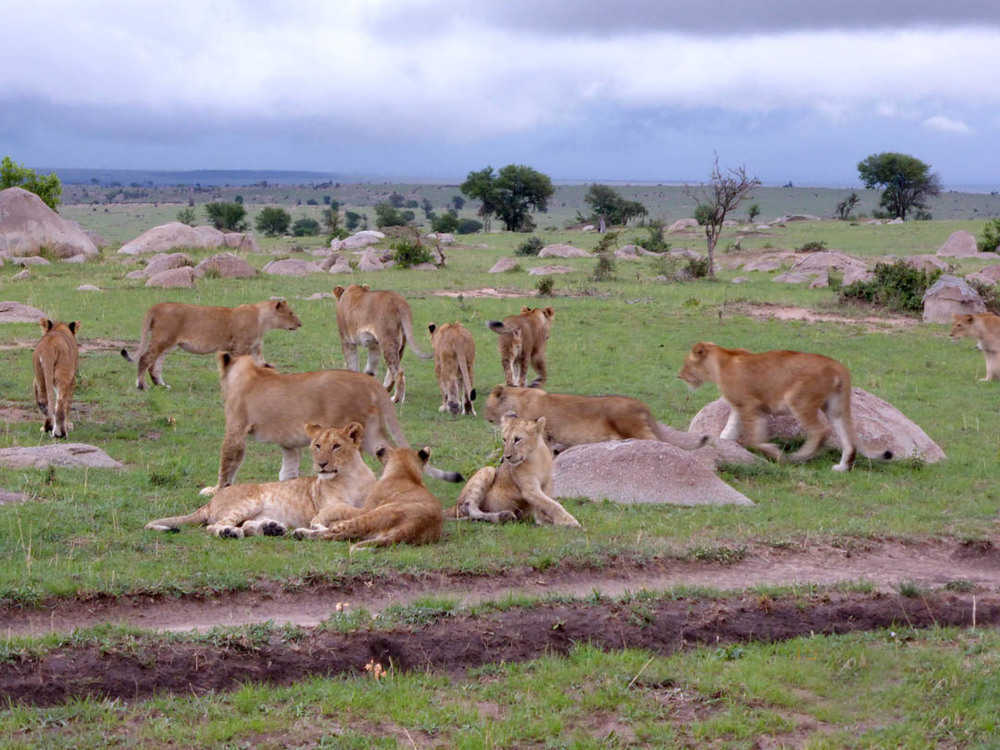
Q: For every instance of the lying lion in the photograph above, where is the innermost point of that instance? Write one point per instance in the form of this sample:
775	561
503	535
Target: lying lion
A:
778	382
521	486
55	361
398	509
342	480
985	329
205	330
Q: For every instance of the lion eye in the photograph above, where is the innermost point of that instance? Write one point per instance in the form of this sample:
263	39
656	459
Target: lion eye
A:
317	446
336	447
517	440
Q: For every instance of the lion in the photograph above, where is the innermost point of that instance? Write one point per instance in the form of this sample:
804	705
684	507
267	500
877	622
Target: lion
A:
205	330
381	321
778	382
576	420
270	509
55	362
273	407
522	340
985	329
454	360
521	486
398	509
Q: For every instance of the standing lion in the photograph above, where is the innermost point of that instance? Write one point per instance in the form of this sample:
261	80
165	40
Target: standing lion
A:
55	362
522	341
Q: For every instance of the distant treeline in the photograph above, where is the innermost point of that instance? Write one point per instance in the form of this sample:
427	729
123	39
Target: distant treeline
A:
203	177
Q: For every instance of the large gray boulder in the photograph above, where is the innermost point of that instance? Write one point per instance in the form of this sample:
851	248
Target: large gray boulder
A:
371	261
960	244
562	250
174	278
950	296
227	265
18	312
823	261
880	426
358	240
641	471
172	236
59	455
336	263
503	265
682	224
160	262
291	267
245	242
27	225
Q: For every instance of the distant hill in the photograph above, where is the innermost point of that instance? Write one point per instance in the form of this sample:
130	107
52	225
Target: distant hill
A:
203	177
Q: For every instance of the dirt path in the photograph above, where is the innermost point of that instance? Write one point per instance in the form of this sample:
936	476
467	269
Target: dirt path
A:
927	564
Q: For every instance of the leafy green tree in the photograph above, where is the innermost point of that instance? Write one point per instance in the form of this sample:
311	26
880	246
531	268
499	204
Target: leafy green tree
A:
49	188
510	195
906	181
273	220
352	220
187	216
991	236
703	214
396	200
447	222
753	211
331	217
607	202
457	201
469	226
226	216
388	215
305	227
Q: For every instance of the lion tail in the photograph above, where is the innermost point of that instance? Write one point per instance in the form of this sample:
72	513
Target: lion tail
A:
173	523
411	339
467	386
390	423
497	326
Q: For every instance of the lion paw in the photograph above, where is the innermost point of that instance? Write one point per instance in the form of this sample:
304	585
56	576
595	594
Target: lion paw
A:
273	528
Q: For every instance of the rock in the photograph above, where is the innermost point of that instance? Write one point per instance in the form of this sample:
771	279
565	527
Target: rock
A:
503	265
740	280
960	244
587	228
424	267
291	267
359	239
991	272
336	263
17	312
370	261
949	296
21	275
980	278
821	282
88	288
925	262
59	455
825	260
30	260
227	265
683	252
443	237
160	262
171	236
880	426
174	278
682	224
562	250
79	258
544	270
641	471
792	278
796	217
27	225
854	275
96	237
772	262
631	252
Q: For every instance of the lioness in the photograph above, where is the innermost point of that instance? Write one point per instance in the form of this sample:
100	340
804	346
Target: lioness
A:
522	484
522	340
399	507
342	479
55	362
205	330
985	329
381	321
273	407
778	382
454	360
575	420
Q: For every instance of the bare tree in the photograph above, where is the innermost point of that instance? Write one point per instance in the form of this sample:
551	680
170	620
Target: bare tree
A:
720	196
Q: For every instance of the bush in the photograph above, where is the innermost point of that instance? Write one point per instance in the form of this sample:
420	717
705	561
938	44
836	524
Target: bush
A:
469	226
989	293
531	246
273	220
49	189
352	220
698	268
387	215
444	224
703	214
815	246
226	216
409	253
604	269
991	236
305	227
655	243
187	216
545	286
896	286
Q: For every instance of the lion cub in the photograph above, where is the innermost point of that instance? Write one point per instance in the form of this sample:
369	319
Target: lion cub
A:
342	480
522	340
55	362
399	507
985	329
454	360
778	382
522	484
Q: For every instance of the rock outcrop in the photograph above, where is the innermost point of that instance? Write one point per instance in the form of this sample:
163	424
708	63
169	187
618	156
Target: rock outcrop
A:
27	226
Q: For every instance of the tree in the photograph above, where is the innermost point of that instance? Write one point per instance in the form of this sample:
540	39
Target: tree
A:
511	194
722	195
187	216
273	220
225	216
457	201
396	200
305	227
387	215
352	220
753	211
906	181
49	188
847	205
445	223
331	217
606	201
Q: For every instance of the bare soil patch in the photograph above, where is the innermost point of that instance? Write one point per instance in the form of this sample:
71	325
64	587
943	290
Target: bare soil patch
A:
85	345
769	311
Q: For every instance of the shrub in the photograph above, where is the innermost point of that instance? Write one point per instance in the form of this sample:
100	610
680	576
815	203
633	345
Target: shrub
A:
703	214
991	236
989	293
273	220
531	246
469	226
655	243
306	227
604	269
187	216
815	246
896	286
226	216
445	223
352	220
698	268
408	253
387	215
607	243
49	188
545	286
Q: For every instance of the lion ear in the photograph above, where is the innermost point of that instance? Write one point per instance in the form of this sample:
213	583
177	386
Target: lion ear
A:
540	425
337	291
45	323
497	391
550	312
366	287
74	327
424	454
355	430
382	453
314	430
699	350
431	327
525	310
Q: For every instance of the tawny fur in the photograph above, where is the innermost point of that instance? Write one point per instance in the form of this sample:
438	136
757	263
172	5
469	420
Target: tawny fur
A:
778	382
522	341
454	366
205	330
399	508
985	329
55	361
342	480
521	486
274	407
576	420
382	322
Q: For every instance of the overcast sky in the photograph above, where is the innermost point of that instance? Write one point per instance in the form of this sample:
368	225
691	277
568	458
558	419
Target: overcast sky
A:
614	90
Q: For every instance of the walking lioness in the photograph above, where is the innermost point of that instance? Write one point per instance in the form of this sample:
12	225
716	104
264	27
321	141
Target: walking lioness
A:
55	361
985	329
778	382
205	330
342	479
454	366
523	339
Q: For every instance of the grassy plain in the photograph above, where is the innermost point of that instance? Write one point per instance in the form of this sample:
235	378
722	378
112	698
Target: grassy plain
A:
81	534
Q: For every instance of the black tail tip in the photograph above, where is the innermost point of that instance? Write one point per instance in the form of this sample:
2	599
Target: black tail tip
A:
454	476
124	353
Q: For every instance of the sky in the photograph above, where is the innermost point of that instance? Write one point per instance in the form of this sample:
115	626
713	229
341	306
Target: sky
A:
585	90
